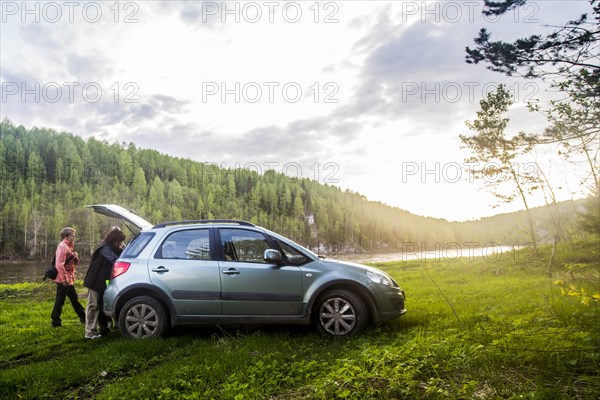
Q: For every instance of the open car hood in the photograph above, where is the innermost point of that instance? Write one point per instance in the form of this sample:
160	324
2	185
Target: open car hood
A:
128	216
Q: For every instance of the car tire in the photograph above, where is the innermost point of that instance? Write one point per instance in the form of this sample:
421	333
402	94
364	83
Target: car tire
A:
143	318
340	313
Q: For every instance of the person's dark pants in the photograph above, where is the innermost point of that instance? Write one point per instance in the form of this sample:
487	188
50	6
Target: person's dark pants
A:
62	292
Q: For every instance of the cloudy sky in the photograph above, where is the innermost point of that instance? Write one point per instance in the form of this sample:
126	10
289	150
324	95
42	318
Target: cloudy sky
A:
368	96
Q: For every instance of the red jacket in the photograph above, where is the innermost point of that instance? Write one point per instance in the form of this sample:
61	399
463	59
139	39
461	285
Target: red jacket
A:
66	273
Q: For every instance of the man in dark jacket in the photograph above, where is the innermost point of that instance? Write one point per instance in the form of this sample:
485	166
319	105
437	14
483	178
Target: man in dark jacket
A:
97	276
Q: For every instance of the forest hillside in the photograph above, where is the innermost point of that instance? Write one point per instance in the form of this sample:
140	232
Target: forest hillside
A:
47	177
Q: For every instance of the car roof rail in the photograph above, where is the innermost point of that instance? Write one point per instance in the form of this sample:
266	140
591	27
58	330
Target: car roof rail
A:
205	221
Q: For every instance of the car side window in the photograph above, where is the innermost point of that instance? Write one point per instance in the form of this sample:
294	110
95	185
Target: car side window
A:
243	245
294	256
193	244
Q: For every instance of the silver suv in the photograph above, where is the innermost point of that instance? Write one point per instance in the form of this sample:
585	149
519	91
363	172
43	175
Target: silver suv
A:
230	271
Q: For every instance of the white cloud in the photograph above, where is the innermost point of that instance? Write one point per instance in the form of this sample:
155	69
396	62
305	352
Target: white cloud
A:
351	92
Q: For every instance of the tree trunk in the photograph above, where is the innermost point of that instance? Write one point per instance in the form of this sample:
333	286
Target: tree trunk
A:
524	199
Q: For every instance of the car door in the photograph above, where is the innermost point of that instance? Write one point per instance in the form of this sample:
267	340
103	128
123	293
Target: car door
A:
184	268
249	285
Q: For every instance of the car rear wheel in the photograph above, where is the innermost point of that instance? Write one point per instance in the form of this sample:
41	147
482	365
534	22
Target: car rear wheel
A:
143	317
340	313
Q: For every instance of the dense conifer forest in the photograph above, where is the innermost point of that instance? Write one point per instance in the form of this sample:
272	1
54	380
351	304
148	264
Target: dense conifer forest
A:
47	177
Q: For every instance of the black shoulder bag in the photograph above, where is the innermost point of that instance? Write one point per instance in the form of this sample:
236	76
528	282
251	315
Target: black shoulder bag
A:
52	272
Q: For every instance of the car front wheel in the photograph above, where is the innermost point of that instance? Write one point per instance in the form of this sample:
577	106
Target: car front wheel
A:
143	317
340	313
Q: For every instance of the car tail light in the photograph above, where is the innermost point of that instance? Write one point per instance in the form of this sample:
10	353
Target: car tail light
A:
119	268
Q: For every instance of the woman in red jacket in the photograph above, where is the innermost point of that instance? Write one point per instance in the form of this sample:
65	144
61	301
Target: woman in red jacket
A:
66	261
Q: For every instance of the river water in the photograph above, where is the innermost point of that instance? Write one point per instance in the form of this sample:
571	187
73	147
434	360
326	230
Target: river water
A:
34	271
449	253
31	271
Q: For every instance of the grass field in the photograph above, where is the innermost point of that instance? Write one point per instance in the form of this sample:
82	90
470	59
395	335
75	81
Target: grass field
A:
475	329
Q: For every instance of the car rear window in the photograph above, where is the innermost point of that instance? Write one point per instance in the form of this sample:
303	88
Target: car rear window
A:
137	245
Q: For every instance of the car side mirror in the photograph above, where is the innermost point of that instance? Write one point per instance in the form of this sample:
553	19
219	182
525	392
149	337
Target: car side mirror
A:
272	256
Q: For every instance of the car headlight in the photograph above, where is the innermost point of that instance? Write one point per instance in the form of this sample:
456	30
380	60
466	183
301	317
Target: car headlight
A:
378	277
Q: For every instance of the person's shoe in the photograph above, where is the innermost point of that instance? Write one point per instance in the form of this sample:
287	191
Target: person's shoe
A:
93	336
56	324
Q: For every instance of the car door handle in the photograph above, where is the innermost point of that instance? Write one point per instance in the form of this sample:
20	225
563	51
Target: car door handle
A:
231	271
160	269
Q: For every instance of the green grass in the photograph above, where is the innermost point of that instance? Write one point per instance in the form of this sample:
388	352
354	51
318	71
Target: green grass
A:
475	330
